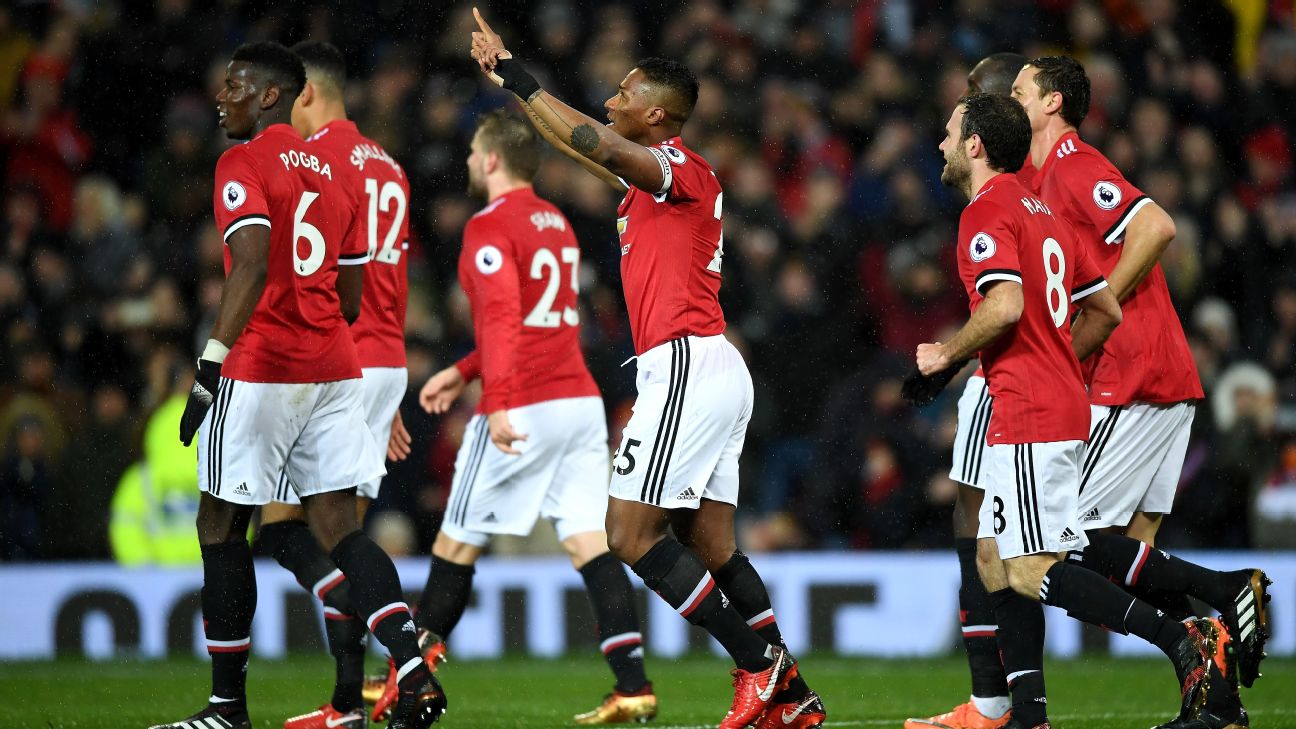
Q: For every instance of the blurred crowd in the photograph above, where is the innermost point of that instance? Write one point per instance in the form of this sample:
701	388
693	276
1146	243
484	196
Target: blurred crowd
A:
822	121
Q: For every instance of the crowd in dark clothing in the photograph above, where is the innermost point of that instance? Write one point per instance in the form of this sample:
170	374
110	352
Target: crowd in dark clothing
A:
822	121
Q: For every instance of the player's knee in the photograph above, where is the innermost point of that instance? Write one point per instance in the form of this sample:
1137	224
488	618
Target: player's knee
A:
1026	573
628	544
453	550
218	521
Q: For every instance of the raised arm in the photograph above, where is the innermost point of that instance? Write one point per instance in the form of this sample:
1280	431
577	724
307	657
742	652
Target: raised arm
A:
549	136
589	138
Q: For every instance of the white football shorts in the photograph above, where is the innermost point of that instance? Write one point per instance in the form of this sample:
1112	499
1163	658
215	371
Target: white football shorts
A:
257	431
561	473
1031	491
974	409
689	423
382	389
1133	461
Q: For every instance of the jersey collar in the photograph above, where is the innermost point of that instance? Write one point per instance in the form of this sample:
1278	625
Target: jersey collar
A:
990	183
341	125
1053	155
277	129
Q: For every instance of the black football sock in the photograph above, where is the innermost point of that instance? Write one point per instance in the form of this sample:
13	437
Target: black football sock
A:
742	584
228	603
376	593
1136	565
617	622
445	596
1021	638
680	578
978	623
1174	604
294	547
346	634
1086	596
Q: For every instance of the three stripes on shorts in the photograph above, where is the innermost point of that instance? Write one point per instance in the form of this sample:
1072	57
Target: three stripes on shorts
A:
668	429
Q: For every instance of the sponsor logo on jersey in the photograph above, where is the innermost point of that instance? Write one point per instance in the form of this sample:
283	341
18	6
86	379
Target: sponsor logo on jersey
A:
234	195
982	247
1106	195
489	259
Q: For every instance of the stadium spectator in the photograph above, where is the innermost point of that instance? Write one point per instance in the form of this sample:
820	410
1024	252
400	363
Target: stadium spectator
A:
837	231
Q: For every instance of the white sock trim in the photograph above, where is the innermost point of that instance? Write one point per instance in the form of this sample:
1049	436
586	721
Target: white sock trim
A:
410	665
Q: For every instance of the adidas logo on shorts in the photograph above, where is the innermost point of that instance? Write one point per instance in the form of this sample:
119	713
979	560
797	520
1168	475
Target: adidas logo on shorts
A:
490	518
688	495
242	490
1092	515
1068	536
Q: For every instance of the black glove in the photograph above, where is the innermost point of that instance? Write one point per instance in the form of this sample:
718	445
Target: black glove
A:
206	380
921	389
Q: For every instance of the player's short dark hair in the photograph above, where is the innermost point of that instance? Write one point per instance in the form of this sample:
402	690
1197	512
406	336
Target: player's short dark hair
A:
1065	75
676	78
324	63
513	140
281	67
995	73
1003	126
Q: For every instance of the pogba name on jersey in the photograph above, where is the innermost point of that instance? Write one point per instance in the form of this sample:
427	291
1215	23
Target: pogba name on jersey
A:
304	160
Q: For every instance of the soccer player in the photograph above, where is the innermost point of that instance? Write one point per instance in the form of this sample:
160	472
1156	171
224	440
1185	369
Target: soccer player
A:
1143	384
277	387
319	114
539	407
1023	269
677	465
989	705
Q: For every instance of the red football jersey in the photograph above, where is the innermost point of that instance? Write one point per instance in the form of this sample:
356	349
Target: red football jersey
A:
1147	358
307	199
384	196
520	266
1007	234
671	246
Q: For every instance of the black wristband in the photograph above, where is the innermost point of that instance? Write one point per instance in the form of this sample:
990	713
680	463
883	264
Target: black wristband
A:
516	78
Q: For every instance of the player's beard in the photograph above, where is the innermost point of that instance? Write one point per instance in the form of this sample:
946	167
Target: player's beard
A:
476	187
958	171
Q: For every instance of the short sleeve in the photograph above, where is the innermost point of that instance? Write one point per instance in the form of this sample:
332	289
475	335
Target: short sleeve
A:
988	245
1102	195
681	174
240	195
1088	278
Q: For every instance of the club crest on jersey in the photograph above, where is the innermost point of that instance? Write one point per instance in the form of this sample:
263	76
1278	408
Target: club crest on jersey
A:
675	155
489	259
982	247
1106	195
233	195
621	225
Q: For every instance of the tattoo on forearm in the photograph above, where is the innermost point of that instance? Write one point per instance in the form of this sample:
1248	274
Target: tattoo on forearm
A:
584	139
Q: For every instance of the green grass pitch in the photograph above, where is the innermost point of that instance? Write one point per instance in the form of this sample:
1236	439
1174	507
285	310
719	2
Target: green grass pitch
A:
1093	693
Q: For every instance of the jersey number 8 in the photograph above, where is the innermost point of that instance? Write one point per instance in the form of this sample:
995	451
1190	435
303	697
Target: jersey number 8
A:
1055	281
